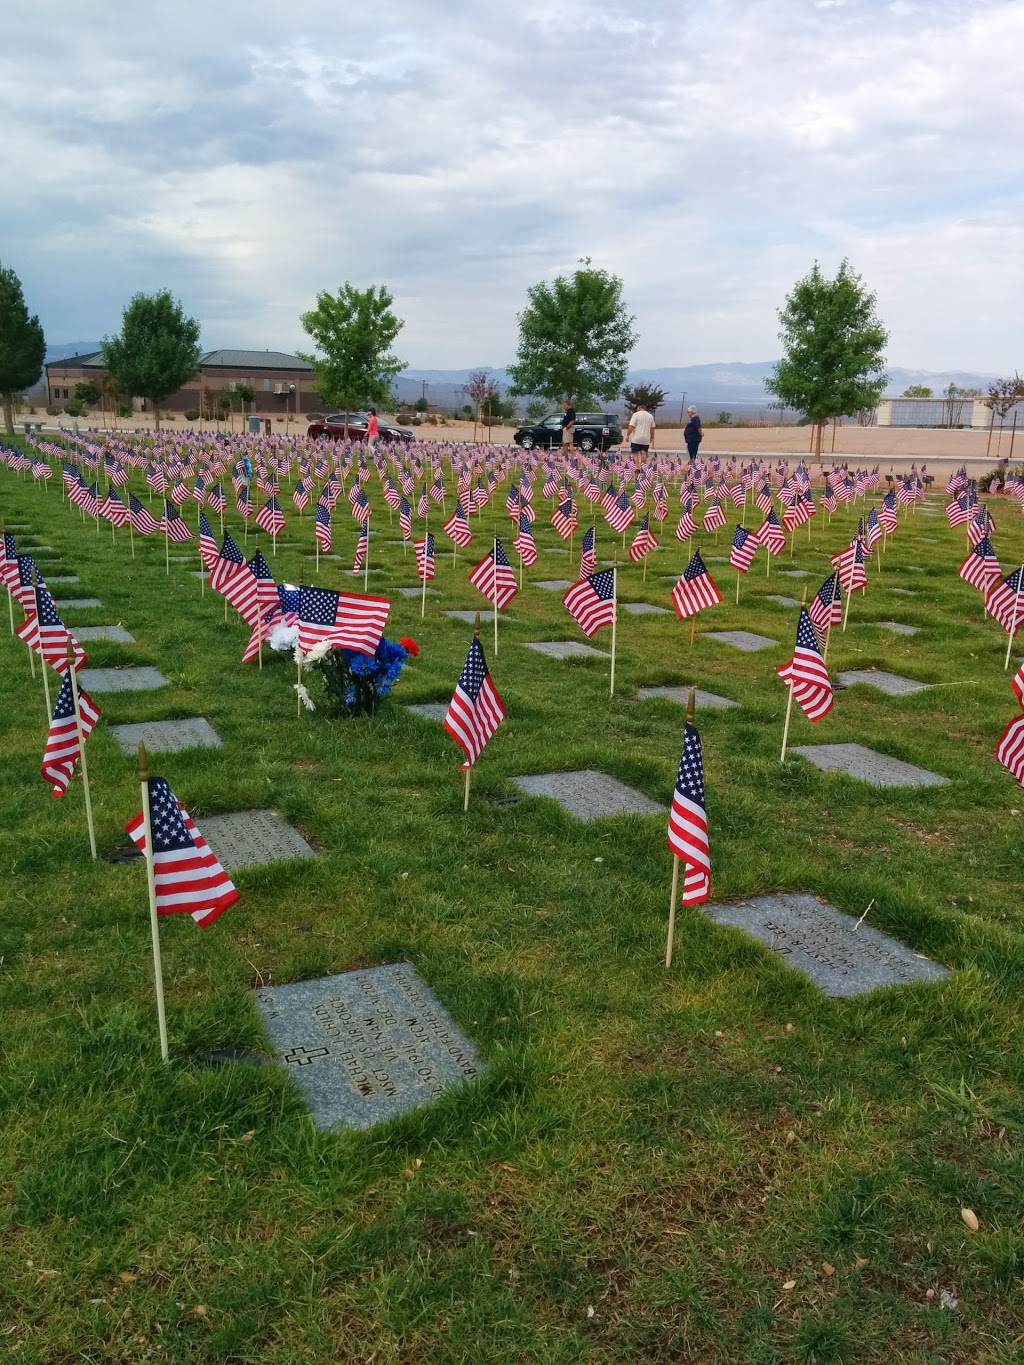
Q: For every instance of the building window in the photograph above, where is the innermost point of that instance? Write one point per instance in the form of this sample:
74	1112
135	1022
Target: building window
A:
266	386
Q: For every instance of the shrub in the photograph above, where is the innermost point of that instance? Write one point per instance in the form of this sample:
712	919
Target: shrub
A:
52	410
416	421
74	407
191	414
123	410
724	418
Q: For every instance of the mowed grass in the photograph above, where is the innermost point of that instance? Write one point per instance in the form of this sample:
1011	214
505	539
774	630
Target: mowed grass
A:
651	1156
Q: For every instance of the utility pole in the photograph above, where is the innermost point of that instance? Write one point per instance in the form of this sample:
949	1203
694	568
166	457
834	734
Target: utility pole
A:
682	405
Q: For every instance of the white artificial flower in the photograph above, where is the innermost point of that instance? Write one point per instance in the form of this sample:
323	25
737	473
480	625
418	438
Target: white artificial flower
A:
319	651
304	697
283	638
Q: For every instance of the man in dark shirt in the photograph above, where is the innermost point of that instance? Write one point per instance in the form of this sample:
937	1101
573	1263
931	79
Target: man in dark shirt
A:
693	433
568	423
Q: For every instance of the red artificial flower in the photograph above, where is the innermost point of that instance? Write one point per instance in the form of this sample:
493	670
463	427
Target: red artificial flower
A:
410	646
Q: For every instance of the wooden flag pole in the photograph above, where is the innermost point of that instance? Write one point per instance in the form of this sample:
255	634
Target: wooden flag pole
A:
615	616
167	544
366	559
737	587
789	704
691	707
42	657
846	609
81	749
154	923
495	556
1013	619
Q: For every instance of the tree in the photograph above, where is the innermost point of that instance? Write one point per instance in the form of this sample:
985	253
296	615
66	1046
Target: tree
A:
477	387
87	394
156	351
649	394
834	345
353	332
22	345
536	409
574	339
955	400
917	391
1004	395
243	393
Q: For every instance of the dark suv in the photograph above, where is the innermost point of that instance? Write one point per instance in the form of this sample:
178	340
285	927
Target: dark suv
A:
593	431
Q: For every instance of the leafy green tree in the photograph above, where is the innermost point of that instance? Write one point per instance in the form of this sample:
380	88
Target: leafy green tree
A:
650	395
244	394
1003	396
156	351
834	349
917	391
22	345
574	339
353	332
87	394
536	409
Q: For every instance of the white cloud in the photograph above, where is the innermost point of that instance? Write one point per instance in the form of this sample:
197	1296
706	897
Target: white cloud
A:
460	153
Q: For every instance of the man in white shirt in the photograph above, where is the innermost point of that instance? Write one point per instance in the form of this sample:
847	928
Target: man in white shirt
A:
640	434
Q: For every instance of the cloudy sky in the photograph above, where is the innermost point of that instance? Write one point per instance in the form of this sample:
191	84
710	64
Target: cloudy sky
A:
245	155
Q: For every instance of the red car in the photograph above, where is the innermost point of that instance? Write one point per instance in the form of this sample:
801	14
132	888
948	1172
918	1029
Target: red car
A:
334	427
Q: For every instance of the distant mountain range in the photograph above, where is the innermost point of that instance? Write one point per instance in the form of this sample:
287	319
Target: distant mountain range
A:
738	385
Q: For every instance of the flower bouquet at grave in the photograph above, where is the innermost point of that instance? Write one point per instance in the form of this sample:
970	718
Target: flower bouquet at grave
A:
356	683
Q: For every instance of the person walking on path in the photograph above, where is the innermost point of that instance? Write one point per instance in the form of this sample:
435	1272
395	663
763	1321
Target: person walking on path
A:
640	434
693	433
568	424
372	427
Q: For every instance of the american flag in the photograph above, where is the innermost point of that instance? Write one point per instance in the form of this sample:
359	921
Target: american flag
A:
322	527
1017	683
829	500
9	561
425	557
563	518
591	601
686	526
475	710
457	527
806	673
850	563
827	604
744	547
643	542
216	498
346	620
23	589
156	478
1006	602
173	524
243	503
873	532
621	513
957	511
300	495
391	494
199	491
42	470
270	518
1010	749
227	564
524	542
189	879
179	491
330	493
695	590
44	631
207	544
142	523
423	505
494	576
980	525
113	509
763	498
588	553
266	588
405	517
550	486
62	751
887	514
771	535
981	568
359	504
738	494
512	501
688	821
714	517
362	545
660	501
437	489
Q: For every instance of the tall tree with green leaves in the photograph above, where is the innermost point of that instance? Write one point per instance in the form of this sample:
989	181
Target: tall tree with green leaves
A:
834	349
353	332
651	395
22	345
575	337
156	350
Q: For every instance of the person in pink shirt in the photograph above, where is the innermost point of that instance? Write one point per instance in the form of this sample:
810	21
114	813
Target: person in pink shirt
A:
372	428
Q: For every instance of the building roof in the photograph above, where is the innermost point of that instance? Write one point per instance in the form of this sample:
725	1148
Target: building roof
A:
254	360
91	360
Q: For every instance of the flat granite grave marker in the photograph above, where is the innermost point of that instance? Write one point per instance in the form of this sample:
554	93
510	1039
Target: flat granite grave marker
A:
589	795
470	616
553	584
70	603
795	573
105	633
143	679
565	649
904	592
741	639
62	578
644	609
782	601
826	945
366	1046
878	769
244	837
167	736
429	710
896	627
416	592
682	696
889	683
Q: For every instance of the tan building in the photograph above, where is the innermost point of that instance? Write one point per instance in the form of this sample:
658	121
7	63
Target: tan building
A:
282	383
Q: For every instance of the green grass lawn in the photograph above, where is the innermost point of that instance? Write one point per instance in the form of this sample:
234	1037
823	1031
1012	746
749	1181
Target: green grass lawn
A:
650	1157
